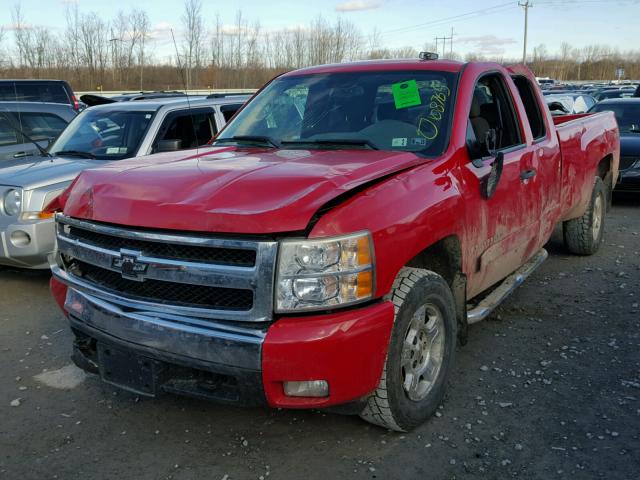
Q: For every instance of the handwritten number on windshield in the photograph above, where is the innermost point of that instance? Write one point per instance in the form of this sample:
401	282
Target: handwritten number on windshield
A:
429	126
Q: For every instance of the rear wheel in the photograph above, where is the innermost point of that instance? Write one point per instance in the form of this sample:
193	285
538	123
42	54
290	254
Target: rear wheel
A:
583	235
420	355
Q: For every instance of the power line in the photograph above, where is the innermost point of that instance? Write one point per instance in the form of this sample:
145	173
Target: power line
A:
500	8
474	14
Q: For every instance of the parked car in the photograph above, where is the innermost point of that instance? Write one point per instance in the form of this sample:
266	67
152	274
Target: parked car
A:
569	103
353	221
627	112
48	91
545	82
98	135
614	93
26	127
92	99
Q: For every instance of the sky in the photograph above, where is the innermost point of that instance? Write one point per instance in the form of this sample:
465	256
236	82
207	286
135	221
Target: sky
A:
492	27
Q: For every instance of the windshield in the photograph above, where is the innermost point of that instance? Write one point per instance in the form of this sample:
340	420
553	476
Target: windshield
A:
104	134
403	111
627	114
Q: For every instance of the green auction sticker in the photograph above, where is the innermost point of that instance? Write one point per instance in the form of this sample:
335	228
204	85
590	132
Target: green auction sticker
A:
406	94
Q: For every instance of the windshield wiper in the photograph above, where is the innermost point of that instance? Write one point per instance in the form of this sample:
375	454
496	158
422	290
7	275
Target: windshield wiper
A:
76	153
350	142
9	120
249	139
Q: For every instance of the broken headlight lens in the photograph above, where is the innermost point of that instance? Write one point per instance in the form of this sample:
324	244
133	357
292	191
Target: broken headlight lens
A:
324	273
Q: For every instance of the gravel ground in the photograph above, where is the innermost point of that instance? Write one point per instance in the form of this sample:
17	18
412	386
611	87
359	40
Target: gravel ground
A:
548	387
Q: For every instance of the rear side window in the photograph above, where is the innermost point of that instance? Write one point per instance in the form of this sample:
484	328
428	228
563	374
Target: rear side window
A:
492	117
52	92
41	126
531	106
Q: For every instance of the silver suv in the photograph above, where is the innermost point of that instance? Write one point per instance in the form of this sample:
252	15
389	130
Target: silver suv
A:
99	134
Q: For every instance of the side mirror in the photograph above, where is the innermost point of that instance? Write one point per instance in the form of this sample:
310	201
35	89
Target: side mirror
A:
489	184
172	145
475	150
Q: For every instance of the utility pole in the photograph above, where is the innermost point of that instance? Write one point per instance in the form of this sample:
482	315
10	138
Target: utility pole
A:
526	5
451	44
444	43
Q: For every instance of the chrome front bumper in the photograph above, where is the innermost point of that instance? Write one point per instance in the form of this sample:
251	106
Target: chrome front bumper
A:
199	341
41	244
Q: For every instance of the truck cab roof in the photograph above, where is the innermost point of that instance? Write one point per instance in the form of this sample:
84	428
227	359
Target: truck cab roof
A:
382	65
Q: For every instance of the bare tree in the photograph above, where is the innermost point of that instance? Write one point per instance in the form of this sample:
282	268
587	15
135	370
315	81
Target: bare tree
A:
140	28
194	35
116	53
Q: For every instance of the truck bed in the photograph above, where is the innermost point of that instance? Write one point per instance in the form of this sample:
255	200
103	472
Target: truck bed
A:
585	139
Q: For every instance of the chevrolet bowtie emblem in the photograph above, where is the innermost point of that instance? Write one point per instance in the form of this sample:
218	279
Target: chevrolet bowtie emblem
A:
129	266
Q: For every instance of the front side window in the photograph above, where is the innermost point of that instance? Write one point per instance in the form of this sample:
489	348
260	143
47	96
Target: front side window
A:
191	129
229	111
104	134
8	135
397	111
492	118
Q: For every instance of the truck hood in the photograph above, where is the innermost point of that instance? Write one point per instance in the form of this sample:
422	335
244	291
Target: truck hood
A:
35	171
227	190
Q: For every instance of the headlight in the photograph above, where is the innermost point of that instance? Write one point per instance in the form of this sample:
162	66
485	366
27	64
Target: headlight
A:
12	202
324	273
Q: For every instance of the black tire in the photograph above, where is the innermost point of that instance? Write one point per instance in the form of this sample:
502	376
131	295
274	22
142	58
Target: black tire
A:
390	405
583	235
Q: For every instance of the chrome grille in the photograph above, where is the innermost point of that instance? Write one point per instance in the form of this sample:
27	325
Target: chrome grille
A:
164	292
168	274
188	253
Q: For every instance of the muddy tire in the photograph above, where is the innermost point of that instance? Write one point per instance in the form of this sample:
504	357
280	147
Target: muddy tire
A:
420	355
583	235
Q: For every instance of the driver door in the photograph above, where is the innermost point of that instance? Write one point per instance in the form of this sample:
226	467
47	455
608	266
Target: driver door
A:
502	227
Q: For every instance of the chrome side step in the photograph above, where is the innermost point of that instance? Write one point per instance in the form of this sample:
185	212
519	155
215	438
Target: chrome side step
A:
488	304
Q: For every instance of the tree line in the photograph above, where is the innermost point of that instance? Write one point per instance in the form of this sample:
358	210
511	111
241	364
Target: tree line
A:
122	53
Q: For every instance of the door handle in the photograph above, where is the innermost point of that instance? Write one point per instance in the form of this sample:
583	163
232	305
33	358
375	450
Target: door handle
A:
527	174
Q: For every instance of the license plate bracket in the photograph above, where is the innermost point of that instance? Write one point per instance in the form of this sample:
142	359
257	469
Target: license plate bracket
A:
127	370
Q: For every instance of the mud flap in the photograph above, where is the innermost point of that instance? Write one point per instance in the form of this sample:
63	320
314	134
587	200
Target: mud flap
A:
459	289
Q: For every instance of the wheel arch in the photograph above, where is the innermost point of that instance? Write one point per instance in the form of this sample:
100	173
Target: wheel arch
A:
444	257
605	172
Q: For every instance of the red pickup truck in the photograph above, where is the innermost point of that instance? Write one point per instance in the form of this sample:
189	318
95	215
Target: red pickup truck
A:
335	240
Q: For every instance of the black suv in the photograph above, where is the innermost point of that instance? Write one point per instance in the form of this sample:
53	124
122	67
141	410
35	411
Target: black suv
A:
50	91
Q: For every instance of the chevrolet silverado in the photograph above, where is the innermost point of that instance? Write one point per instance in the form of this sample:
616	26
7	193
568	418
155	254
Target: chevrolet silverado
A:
351	224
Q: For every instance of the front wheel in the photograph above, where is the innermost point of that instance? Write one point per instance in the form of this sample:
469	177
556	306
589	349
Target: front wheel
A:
420	355
583	235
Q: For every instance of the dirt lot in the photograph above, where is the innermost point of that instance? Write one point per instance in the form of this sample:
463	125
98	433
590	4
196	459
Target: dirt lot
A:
549	387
